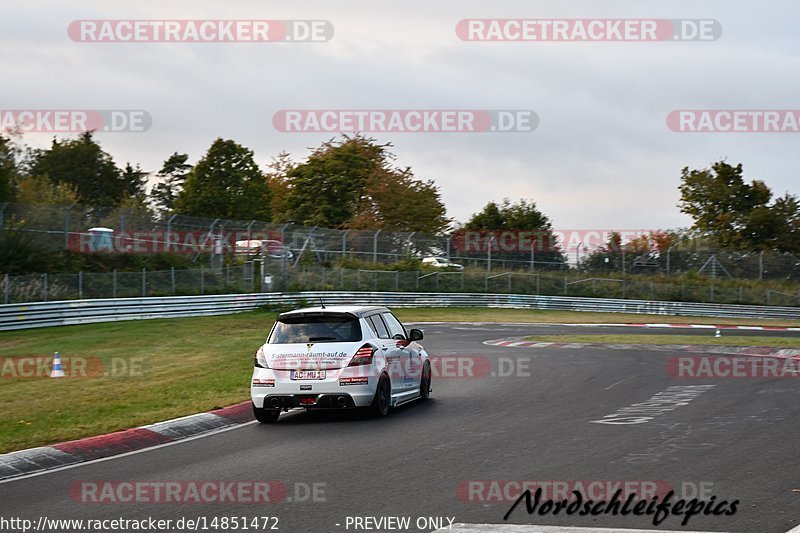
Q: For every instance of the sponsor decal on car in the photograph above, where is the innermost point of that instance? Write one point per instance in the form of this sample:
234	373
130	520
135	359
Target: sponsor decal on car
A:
301	360
263	383
343	382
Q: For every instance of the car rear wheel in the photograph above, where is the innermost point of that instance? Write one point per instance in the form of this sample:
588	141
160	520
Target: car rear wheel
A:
266	416
425	382
383	398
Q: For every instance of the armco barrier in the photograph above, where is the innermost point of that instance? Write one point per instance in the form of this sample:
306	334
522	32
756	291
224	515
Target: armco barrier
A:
69	312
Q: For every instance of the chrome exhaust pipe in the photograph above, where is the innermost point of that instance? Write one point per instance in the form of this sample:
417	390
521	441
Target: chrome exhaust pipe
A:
274	402
341	401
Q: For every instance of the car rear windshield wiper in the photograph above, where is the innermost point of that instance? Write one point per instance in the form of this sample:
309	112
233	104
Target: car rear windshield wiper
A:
313	339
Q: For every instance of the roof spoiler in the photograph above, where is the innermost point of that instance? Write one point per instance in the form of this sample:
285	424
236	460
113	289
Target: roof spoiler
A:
297	314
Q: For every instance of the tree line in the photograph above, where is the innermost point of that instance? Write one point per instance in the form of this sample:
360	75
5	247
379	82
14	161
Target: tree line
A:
353	182
346	183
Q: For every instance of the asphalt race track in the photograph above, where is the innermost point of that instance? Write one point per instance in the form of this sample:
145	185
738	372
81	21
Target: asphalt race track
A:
530	417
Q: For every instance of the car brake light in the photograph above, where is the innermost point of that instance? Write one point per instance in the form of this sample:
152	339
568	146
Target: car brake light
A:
260	359
363	356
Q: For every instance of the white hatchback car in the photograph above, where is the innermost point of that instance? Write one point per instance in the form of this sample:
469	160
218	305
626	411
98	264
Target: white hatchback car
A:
441	262
339	357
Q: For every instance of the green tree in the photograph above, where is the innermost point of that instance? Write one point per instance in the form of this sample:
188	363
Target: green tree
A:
174	173
8	169
134	181
277	177
327	190
734	214
352	183
38	190
226	183
396	201
489	217
82	164
520	216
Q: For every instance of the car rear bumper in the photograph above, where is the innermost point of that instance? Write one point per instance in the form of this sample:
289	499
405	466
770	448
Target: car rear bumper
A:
345	388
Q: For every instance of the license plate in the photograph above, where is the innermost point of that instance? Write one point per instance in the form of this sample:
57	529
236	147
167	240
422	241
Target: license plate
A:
307	374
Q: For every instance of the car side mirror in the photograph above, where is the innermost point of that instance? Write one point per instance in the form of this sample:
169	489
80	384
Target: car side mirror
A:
415	335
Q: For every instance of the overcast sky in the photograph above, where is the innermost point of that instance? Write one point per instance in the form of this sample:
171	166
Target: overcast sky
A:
602	156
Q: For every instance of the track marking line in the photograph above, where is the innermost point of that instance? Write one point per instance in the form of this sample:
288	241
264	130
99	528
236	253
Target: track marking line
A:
620	381
126	454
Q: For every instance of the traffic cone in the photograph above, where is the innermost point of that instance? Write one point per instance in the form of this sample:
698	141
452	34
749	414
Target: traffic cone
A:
718	334
58	370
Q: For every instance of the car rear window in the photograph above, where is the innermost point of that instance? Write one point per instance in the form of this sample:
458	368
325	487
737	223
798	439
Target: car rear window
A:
305	329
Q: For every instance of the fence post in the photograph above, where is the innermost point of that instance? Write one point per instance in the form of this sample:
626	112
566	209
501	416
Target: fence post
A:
172	275
375	246
537	284
341	278
5	289
565	284
80	285
344	242
249	230
463	275
533	255
144	282
486	282
416	280
114	284
66	226
167	244
397	280
761	266
203	281
711	292
358	279
44	286
509	283
669	251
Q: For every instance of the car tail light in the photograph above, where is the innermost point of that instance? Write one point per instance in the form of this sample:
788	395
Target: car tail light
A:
260	359
363	356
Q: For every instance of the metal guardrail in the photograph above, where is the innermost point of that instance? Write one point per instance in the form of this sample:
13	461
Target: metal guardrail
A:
71	312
